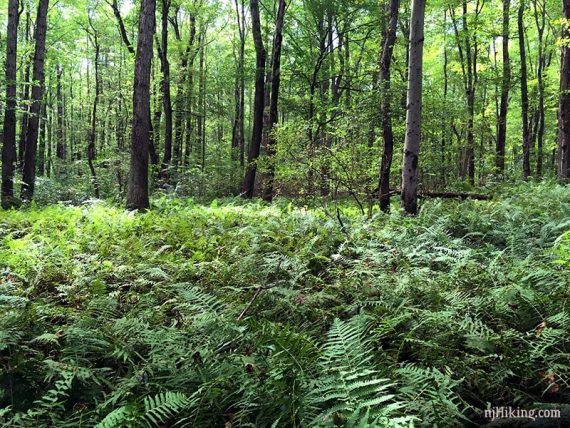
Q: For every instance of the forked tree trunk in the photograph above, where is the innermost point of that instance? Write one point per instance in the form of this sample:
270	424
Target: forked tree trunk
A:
414	109
29	167
137	195
9	131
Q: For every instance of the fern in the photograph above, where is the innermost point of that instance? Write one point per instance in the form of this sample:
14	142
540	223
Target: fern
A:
351	390
151	412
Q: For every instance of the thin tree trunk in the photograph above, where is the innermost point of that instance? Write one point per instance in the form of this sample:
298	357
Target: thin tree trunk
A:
9	130
505	85
257	133
60	150
238	136
524	94
181	98
29	167
42	138
414	112
92	144
137	195
564	102
274	98
385	107
25	97
166	99
539	17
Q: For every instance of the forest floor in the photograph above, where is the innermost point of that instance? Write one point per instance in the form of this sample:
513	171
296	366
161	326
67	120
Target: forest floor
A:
247	314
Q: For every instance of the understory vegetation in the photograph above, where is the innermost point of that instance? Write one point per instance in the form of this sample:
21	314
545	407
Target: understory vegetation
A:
244	314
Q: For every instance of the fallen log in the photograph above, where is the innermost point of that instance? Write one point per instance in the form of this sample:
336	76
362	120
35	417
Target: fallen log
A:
455	195
447	195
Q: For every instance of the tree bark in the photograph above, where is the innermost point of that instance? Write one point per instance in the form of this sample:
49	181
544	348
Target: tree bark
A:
152	149
257	132
274	98
414	109
166	99
524	94
181	95
505	86
385	107
137	195
91	146
60	150
29	167
9	130
238	134
564	101
540	20
121	25
25	96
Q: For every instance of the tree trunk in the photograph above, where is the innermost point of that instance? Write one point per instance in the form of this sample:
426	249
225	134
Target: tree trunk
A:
257	133
60	150
181	98
42	137
385	108
25	97
91	146
505	85
137	195
564	102
29	167
524	94
9	131
274	97
166	100
414	109
152	149
540	20
238	136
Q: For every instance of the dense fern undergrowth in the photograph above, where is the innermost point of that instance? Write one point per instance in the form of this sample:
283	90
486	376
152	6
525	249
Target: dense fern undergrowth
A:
244	314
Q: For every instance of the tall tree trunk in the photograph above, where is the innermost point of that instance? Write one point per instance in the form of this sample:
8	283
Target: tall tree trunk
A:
166	100
42	137
540	20
29	167
181	93
524	94
60	150
25	96
137	195
385	107
92	144
471	66
505	86
238	135
114	5
9	130
564	102
274	97
414	112
202	103
257	133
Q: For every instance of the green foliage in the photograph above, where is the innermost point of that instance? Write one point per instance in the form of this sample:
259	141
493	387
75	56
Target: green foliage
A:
275	315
